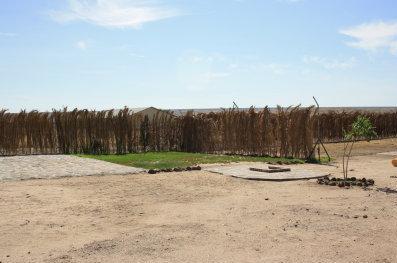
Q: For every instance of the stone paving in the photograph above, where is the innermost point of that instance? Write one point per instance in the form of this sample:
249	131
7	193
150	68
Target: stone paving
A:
55	166
298	172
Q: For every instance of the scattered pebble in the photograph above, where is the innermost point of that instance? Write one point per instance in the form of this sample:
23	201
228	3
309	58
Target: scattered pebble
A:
176	169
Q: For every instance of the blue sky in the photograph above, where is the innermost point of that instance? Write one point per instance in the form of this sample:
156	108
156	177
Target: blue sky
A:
101	54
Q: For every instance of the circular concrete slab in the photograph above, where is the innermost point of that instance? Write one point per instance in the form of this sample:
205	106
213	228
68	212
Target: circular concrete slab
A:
243	171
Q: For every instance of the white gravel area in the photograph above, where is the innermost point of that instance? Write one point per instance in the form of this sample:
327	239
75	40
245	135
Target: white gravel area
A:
55	166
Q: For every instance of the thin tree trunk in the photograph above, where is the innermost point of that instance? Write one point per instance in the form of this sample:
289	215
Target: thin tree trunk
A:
345	145
348	158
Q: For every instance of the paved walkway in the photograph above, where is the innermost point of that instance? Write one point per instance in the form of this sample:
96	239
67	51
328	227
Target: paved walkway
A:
54	166
298	172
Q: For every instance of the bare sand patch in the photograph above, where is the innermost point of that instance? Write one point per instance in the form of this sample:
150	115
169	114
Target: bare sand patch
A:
199	217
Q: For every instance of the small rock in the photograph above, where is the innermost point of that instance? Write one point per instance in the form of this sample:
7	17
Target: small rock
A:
266	199
152	171
365	216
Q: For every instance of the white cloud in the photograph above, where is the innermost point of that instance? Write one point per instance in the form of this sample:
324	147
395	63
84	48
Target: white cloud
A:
114	13
81	45
7	34
210	76
328	63
136	55
290	1
275	68
373	36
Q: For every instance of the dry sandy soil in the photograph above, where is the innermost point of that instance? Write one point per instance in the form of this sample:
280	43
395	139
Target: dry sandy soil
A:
200	217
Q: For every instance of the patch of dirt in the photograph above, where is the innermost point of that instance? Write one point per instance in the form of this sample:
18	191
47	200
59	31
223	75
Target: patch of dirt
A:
362	147
200	217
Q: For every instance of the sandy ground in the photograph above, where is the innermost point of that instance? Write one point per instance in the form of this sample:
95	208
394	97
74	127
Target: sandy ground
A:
363	147
199	217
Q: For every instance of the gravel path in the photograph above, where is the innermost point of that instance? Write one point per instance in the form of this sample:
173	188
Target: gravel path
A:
55	166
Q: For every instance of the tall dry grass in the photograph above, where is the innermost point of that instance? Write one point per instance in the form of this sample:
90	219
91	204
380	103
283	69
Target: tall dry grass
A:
332	124
288	132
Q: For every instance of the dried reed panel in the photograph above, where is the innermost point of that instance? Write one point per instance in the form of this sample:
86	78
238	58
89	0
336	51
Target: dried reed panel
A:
289	132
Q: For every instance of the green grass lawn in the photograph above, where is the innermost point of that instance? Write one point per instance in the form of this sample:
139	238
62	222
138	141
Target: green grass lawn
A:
161	160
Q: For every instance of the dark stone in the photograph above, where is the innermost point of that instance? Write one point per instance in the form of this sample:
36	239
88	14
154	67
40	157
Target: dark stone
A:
332	183
333	179
371	182
365	216
359	184
188	168
152	171
353	179
363	180
347	183
341	184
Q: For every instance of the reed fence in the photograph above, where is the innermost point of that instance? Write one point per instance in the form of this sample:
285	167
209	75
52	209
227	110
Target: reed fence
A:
332	124
287	132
